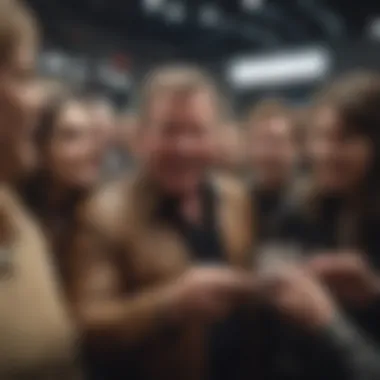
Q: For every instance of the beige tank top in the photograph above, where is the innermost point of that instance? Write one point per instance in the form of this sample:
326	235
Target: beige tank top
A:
37	340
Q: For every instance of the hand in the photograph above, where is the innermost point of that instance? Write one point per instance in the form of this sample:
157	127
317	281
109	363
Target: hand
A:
348	275
297	296
210	293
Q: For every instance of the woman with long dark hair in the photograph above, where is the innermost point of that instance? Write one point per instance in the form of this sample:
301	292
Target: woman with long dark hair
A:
332	223
339	208
69	162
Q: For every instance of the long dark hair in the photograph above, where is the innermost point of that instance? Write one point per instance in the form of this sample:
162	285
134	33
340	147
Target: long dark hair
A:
35	189
356	99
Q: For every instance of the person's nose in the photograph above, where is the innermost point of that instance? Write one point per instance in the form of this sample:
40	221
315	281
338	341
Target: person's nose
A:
184	145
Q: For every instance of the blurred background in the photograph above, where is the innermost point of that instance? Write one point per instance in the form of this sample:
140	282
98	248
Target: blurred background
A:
254	48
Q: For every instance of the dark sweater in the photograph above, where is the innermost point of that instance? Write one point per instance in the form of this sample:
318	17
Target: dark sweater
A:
345	350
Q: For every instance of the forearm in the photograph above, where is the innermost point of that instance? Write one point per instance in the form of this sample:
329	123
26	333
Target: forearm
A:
129	321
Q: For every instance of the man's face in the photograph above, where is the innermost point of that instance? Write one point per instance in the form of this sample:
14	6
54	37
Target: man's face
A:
19	103
179	139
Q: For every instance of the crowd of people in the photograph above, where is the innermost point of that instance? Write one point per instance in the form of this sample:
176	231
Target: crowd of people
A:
178	243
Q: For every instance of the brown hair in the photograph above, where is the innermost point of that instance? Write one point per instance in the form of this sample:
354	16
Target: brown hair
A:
34	188
356	99
17	25
175	79
49	115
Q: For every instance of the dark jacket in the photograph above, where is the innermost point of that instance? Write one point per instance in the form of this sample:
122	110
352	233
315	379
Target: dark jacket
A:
349	348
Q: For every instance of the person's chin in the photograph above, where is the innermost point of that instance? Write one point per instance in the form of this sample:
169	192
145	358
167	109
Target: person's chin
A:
179	186
331	186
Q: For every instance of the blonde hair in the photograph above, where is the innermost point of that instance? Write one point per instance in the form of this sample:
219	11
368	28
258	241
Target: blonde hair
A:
183	80
17	25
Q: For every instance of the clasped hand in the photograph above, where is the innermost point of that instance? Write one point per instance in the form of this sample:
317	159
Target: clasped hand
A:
299	292
348	275
211	293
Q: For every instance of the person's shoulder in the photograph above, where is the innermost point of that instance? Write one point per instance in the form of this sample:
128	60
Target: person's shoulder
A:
230	186
234	197
235	218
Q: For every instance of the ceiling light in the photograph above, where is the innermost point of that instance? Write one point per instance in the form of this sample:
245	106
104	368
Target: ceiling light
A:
209	15
175	12
279	69
153	5
374	28
251	5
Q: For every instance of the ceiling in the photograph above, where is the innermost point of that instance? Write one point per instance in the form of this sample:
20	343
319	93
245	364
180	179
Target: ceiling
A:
210	29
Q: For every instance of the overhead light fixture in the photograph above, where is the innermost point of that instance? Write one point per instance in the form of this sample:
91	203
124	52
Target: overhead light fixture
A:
374	28
174	12
153	5
279	69
209	15
251	5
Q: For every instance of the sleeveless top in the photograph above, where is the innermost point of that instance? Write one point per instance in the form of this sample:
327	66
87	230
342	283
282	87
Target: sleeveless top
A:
37	340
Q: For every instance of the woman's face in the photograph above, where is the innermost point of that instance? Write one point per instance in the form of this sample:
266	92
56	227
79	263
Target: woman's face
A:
74	157
340	161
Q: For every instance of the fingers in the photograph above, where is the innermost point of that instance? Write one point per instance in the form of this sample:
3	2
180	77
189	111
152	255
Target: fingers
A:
338	257
334	264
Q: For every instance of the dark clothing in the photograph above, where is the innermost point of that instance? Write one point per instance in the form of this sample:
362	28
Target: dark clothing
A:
342	352
204	240
320	233
308	232
267	206
109	365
